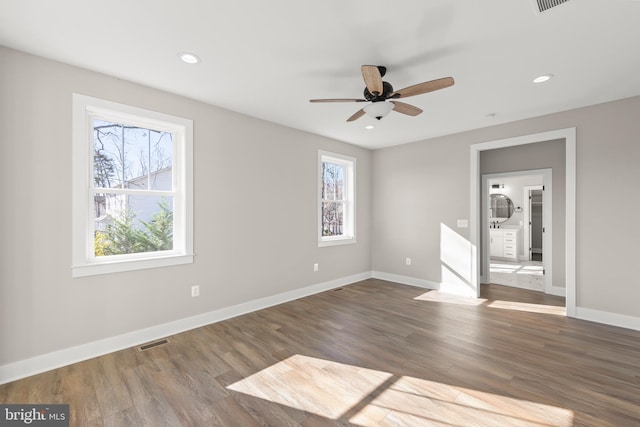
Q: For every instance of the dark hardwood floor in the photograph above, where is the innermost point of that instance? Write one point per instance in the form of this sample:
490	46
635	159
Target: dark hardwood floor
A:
372	353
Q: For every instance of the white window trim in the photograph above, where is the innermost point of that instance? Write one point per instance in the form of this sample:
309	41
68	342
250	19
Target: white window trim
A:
350	209
84	264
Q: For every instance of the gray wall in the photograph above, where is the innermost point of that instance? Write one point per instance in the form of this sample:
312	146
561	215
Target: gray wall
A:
542	155
249	242
249	245
418	186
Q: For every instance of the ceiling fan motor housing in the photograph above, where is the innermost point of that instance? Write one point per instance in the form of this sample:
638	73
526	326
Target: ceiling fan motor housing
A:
387	90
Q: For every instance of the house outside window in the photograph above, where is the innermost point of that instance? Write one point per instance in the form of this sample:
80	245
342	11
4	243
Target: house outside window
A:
336	199
132	188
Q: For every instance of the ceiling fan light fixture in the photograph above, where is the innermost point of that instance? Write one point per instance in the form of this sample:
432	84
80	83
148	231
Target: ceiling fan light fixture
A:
379	109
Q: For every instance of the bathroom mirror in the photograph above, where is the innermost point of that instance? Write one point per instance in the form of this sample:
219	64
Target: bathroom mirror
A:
501	208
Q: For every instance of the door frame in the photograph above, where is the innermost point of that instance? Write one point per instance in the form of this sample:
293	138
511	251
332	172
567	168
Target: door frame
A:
569	135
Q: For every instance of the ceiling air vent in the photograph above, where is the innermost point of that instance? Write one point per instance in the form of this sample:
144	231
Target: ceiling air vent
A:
544	5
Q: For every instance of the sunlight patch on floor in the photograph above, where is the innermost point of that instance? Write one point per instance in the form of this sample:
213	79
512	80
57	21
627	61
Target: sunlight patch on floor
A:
503	270
530	273
414	401
318	386
521	275
504	267
366	397
531	308
436	296
516	268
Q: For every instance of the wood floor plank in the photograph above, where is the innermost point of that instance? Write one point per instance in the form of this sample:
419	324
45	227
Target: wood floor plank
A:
228	412
78	387
372	353
111	390
268	414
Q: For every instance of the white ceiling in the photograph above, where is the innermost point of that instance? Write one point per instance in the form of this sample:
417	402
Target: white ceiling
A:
267	59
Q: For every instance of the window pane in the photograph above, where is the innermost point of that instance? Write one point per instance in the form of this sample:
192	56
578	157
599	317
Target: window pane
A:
332	181
107	156
126	224
332	219
161	160
131	157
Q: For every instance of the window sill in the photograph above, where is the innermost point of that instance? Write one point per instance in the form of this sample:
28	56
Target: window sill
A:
337	242
129	265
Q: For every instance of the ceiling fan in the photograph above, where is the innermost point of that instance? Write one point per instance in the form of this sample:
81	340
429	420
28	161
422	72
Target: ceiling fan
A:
380	94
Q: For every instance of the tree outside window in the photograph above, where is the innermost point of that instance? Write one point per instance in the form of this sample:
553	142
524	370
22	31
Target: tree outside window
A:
337	206
130	164
132	188
333	199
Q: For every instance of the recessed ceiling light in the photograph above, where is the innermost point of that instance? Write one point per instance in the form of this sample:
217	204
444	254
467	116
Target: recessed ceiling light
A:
369	127
543	78
189	58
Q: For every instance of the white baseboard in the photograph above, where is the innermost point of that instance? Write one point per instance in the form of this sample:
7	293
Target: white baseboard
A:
613	319
405	280
46	362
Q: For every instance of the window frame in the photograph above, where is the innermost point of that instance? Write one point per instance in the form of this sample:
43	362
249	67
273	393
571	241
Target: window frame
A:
84	261
349	221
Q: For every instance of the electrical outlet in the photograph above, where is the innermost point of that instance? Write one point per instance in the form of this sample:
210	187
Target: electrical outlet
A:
195	291
463	223
407	261
315	267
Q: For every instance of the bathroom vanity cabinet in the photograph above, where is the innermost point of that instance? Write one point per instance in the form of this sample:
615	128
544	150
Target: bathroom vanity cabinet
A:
503	243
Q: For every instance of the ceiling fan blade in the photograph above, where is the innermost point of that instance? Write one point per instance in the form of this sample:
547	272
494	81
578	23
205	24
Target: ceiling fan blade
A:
407	109
338	100
356	115
421	88
372	78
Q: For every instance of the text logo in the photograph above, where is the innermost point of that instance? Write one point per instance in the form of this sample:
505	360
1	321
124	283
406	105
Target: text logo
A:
34	415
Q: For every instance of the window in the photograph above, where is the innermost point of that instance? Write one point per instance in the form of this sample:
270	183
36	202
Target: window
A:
336	201
132	188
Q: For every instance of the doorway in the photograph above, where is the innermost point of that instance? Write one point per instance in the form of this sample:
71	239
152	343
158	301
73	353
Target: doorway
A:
479	252
535	224
507	235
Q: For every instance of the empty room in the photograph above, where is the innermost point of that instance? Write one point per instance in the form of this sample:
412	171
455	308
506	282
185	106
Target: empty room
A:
319	213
